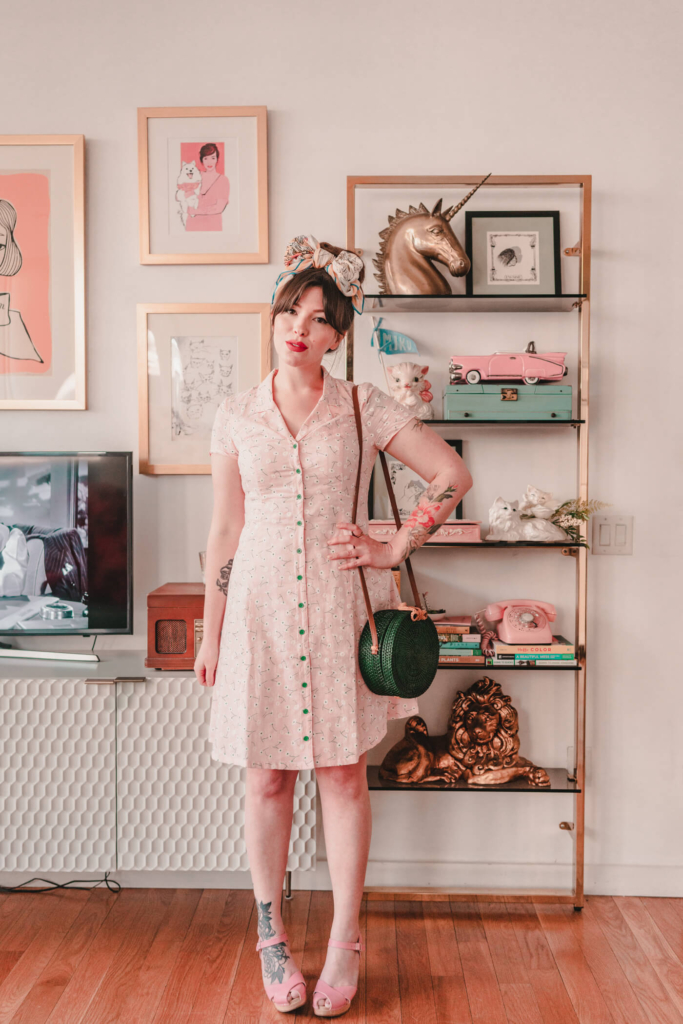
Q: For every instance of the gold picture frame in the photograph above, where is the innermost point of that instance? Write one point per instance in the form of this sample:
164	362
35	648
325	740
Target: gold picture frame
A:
190	357
42	312
173	214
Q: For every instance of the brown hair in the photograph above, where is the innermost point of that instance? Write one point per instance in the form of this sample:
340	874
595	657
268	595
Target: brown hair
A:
208	150
338	308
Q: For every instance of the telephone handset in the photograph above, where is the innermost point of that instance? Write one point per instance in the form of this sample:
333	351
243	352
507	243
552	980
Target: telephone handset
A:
522	621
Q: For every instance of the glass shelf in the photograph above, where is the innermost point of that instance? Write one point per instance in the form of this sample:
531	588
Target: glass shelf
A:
559	783
472	303
506	423
510	668
497	543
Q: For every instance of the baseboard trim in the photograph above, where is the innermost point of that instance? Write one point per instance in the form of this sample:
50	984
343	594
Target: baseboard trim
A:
494	879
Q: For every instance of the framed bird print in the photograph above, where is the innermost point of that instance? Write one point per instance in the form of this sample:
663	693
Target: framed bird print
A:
203	184
42	272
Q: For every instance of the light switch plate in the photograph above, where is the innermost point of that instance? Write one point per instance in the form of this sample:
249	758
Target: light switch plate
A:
612	535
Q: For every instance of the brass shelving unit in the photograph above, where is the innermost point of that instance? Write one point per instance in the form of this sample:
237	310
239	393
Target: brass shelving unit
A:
577	304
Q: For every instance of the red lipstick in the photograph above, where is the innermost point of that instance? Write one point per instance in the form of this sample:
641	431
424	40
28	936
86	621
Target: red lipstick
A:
296	346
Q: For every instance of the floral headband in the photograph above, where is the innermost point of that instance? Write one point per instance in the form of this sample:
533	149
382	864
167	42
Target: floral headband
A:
304	252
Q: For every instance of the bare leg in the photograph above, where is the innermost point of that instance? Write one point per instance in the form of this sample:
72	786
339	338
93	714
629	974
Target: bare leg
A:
267	827
348	825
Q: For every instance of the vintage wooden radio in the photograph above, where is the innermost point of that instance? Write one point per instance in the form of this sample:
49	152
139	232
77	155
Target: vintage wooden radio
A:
174	625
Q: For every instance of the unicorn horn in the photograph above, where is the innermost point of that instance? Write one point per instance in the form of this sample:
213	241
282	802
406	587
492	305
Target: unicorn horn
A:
449	214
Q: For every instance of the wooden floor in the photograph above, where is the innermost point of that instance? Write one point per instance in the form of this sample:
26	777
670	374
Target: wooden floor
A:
169	956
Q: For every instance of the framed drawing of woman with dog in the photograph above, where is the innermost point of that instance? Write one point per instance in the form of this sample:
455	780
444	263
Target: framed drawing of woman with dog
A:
203	185
42	272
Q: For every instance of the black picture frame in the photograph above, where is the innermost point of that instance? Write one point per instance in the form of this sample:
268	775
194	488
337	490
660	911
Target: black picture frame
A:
510	289
453	442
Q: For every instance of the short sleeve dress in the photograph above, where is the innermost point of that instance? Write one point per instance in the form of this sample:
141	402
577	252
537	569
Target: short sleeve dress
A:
288	690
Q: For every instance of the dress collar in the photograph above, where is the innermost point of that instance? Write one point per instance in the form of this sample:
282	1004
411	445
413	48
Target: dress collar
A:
325	408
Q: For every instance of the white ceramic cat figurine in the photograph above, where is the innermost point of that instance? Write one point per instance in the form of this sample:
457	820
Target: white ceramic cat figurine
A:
408	385
506	523
536	502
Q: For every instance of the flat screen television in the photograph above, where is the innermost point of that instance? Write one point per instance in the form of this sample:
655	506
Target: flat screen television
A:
65	543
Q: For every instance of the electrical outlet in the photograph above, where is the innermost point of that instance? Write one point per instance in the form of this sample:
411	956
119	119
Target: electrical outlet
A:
612	535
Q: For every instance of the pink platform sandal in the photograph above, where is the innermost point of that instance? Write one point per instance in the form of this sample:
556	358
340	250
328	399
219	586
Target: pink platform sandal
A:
279	990
341	996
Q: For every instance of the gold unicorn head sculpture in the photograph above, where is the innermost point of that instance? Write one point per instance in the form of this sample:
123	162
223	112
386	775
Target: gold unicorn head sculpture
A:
412	241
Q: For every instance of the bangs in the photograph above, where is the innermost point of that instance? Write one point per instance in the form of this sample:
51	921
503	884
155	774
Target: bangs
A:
337	308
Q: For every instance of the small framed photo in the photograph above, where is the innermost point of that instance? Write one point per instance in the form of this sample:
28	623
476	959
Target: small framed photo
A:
42	272
514	253
203	183
191	356
408	488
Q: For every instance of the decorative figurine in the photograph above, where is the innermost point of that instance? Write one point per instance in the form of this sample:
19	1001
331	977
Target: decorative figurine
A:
530	366
412	241
407	385
537	503
506	523
480	748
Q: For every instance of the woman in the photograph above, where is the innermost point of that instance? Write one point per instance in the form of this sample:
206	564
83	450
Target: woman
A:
214	194
283	651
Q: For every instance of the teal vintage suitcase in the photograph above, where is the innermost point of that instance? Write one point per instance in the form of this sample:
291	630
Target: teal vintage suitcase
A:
507	402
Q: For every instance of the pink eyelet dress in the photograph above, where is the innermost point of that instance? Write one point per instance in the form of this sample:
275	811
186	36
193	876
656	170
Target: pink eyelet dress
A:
288	691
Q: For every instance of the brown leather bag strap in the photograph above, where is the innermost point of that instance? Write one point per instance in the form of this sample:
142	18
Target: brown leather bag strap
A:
397	518
364	586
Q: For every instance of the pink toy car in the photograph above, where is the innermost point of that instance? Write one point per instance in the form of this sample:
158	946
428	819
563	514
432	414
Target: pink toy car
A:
530	366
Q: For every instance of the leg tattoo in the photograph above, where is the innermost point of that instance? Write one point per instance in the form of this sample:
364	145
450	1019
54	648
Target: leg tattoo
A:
274	957
224	578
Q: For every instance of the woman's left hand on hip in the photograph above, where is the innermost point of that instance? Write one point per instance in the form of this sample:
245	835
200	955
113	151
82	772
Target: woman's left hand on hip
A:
350	548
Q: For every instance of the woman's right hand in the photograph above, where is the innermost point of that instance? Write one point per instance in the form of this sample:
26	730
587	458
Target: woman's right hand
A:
205	664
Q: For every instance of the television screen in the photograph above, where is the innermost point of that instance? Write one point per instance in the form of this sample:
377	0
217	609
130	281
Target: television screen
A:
65	543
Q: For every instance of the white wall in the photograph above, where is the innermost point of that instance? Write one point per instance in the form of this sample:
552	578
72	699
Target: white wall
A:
390	87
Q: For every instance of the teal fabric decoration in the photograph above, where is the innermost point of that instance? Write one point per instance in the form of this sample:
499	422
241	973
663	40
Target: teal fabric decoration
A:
390	343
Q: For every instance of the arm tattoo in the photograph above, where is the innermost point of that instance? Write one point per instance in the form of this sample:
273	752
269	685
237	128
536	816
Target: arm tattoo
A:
421	522
274	957
224	578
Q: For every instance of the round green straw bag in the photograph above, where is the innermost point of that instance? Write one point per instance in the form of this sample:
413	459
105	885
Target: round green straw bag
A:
398	651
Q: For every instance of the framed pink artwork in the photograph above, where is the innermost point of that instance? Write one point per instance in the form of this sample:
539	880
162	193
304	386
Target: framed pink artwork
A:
203	183
42	272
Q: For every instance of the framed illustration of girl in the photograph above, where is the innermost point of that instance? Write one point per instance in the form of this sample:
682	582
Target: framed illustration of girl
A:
42	272
203	185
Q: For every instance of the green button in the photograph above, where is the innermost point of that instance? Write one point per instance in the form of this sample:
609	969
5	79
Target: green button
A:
299	523
302	631
298	551
298	470
305	711
299	577
305	737
293	446
304	684
299	496
303	657
301	604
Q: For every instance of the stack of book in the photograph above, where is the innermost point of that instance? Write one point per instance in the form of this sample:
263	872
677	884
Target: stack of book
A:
559	654
458	645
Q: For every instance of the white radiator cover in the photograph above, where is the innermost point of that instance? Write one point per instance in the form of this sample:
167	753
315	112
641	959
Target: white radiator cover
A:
99	777
178	809
58	776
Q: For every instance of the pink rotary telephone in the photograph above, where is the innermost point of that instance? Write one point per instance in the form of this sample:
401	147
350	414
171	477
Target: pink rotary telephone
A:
523	621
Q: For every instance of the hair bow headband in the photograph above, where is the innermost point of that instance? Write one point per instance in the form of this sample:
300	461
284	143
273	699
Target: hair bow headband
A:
304	252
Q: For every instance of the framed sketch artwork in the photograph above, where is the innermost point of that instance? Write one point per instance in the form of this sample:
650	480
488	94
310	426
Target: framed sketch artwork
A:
408	487
203	182
191	356
42	272
513	253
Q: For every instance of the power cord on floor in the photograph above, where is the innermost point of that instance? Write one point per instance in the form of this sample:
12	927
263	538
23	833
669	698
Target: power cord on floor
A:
92	883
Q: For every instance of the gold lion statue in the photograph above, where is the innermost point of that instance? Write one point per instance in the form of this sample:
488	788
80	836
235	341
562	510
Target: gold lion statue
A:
481	745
